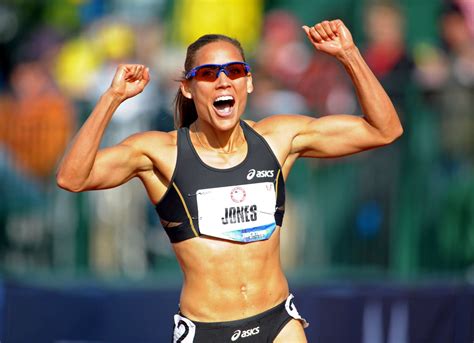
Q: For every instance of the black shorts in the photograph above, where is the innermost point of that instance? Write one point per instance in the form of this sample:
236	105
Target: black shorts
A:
263	327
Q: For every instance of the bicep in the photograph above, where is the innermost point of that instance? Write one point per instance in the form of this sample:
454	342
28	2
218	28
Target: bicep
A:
334	136
116	165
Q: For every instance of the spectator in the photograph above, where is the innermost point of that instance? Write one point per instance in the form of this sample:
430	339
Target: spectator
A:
36	121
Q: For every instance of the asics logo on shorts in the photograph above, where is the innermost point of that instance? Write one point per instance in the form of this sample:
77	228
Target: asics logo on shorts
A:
245	333
259	173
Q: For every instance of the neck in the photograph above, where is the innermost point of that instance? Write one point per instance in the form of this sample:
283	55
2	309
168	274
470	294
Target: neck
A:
210	138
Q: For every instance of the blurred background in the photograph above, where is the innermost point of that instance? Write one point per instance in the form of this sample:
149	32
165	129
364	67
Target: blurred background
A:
380	243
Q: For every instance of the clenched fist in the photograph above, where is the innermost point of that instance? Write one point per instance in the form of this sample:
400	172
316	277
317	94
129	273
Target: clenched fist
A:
129	80
331	37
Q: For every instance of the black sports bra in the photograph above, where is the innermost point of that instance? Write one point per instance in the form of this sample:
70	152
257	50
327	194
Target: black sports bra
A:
243	203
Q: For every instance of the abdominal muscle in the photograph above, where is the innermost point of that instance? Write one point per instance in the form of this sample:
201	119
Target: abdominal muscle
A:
226	281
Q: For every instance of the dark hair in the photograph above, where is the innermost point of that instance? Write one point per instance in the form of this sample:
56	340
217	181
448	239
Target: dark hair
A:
185	111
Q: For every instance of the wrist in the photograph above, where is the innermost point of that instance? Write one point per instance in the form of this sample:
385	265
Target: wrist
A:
349	55
110	101
113	96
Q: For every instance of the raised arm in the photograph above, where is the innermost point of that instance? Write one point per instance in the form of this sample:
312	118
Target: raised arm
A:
85	167
339	134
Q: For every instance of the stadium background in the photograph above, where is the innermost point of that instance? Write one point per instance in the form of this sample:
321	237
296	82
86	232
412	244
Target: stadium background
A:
378	247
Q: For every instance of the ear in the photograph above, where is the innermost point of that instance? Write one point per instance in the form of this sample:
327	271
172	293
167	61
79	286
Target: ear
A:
185	90
249	84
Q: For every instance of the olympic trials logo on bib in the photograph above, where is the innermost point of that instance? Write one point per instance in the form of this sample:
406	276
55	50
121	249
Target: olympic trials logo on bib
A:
238	194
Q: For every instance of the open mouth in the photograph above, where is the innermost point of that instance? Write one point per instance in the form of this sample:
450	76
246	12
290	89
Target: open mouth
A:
224	104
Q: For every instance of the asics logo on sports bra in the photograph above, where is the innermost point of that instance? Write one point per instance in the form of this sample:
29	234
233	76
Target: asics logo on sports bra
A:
259	173
245	333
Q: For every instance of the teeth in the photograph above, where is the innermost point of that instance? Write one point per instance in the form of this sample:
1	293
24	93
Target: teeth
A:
224	98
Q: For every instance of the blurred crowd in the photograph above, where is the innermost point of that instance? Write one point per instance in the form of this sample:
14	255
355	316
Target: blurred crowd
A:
57	58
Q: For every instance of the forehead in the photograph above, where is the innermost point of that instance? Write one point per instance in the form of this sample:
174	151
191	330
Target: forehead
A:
217	53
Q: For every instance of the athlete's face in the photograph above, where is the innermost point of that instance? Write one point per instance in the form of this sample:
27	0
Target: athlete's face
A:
223	115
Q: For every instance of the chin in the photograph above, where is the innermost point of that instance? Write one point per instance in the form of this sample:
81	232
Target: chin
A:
225	124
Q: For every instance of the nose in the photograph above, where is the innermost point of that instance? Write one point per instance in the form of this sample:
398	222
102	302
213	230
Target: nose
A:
222	79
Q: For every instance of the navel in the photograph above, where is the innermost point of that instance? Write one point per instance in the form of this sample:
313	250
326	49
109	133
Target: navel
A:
243	289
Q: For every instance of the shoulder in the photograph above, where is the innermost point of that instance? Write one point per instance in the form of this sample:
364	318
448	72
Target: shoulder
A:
281	125
280	131
146	137
152	140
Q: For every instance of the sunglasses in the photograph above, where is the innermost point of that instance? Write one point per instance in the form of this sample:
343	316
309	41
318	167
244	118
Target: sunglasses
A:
210	72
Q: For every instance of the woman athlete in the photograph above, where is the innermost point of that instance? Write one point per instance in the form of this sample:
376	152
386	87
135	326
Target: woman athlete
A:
218	181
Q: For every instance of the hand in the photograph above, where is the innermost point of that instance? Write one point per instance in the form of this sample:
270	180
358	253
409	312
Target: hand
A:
331	37
129	80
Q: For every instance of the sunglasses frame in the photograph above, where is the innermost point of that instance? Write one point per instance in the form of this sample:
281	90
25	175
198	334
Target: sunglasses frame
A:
192	73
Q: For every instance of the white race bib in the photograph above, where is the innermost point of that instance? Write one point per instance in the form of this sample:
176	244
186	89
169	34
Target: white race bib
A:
243	213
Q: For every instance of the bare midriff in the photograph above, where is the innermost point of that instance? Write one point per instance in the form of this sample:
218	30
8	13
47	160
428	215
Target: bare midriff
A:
225	280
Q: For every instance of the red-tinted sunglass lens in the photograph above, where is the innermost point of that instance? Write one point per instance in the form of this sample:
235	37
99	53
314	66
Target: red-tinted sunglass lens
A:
207	73
234	71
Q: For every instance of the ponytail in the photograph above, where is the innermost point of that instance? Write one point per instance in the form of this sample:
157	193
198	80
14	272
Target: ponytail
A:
184	111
